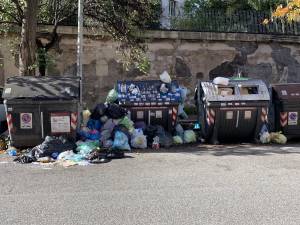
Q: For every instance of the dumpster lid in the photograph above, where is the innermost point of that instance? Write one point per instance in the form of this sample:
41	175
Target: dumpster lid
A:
147	92
41	88
287	91
236	90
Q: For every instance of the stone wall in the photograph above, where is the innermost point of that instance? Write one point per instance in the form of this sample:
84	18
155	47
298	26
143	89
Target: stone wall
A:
187	56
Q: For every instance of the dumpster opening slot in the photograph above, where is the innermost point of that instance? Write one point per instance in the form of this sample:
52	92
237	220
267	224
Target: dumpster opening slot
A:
248	90
224	91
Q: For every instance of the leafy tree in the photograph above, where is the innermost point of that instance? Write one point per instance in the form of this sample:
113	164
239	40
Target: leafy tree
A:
291	11
122	19
230	5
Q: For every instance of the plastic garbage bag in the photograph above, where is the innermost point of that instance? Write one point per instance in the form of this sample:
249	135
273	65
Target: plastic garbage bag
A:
189	136
155	143
123	129
86	133
112	96
109	125
98	111
181	112
107	143
105	135
183	93
166	140
121	141
138	139
103	119
126	122
278	138
177	140
85	116
264	129
85	148
51	145
221	81
165	77
114	111
179	130
163	88
265	138
150	132
94	124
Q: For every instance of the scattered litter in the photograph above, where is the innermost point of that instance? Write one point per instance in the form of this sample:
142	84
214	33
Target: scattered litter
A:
155	143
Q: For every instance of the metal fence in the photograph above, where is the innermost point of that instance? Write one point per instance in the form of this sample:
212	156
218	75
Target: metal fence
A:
236	22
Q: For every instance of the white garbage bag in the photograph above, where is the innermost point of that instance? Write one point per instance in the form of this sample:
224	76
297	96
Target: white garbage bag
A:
165	77
138	139
221	81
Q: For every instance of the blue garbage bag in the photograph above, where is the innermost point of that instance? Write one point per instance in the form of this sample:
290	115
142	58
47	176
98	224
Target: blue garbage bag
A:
121	141
94	124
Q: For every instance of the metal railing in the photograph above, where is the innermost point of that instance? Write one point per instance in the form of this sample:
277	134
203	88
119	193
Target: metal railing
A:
237	22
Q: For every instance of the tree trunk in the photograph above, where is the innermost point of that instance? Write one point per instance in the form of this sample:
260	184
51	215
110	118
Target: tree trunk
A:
27	57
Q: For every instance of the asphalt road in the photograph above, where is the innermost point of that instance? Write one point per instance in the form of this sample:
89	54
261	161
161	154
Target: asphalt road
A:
190	185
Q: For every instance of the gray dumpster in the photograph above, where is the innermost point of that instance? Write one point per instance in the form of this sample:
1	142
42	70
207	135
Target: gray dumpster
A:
286	101
40	106
232	113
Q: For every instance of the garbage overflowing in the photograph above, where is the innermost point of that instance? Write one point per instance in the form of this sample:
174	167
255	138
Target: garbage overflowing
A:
144	114
109	131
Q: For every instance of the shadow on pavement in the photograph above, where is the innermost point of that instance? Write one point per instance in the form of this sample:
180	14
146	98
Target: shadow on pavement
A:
229	149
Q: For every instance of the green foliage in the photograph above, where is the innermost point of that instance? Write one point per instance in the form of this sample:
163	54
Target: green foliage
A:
122	20
192	6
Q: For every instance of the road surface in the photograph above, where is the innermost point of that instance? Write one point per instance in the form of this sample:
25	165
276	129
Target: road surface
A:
247	184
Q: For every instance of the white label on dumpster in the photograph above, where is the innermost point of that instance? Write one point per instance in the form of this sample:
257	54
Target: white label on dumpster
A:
283	92
26	120
60	123
158	114
229	115
248	115
7	91
140	114
293	118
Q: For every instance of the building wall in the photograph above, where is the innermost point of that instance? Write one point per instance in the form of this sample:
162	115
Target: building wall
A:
186	56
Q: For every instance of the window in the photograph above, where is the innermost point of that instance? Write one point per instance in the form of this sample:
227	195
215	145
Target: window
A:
172	7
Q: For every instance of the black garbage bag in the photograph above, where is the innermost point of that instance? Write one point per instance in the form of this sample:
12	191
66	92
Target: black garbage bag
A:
150	132
165	138
53	145
115	111
140	125
98	111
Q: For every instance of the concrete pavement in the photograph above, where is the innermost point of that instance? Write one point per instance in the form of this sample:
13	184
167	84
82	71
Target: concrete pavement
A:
187	185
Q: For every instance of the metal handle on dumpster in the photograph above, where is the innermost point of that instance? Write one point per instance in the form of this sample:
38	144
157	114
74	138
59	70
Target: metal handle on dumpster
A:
237	118
42	124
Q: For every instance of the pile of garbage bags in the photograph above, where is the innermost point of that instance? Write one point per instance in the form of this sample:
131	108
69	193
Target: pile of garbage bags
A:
110	124
267	137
